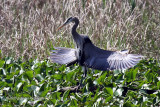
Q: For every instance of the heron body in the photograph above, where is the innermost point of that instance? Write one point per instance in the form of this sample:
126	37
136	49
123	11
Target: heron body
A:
86	54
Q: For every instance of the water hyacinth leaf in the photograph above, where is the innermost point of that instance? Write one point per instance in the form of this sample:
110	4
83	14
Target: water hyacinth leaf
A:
2	84
66	103
158	85
116	72
78	96
95	82
149	76
6	88
29	75
1	63
155	79
108	99
22	101
19	87
141	84
128	76
109	90
43	87
37	71
118	92
27	95
24	78
85	88
106	92
84	99
62	68
39	77
73	103
128	104
37	101
33	87
134	73
43	93
131	75
53	101
33	90
3	71
1	92
65	95
56	96
9	60
57	76
158	94
21	71
101	78
69	76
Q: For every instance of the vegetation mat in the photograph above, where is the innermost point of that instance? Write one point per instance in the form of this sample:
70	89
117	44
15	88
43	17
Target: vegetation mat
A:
40	83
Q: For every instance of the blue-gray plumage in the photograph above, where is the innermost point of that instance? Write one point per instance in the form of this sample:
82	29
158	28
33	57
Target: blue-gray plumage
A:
88	55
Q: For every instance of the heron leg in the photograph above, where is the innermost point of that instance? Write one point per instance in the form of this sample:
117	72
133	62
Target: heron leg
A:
85	71
84	75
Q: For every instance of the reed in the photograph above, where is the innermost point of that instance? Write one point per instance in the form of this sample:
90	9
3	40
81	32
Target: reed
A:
28	28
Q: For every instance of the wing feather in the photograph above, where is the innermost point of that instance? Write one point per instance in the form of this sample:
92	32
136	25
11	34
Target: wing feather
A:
63	56
109	60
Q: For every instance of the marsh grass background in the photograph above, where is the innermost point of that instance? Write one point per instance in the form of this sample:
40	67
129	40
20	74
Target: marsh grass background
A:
28	27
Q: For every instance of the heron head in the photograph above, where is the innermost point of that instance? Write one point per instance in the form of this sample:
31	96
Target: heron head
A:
71	19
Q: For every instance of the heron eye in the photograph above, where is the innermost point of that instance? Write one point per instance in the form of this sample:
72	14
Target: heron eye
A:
69	19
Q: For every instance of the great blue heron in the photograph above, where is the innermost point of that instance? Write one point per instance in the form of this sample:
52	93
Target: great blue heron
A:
86	54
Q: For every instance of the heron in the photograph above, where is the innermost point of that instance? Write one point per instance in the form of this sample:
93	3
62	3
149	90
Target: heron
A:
87	55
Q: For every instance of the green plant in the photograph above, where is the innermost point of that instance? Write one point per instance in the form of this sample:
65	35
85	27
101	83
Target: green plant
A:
38	83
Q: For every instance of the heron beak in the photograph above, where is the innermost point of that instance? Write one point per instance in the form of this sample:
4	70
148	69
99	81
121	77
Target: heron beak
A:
67	22
62	25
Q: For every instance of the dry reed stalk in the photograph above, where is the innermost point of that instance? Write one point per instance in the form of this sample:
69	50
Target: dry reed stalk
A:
28	27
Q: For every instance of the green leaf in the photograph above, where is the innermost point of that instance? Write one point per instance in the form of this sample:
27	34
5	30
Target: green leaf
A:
2	84
42	81
100	80
66	103
116	72
39	77
69	76
19	87
109	90
131	75
158	85
1	63
128	104
134	73
65	95
37	70
26	95
21	71
23	101
73	101
9	60
149	76
118	92
3	71
29	75
43	87
57	76
108	99
44	93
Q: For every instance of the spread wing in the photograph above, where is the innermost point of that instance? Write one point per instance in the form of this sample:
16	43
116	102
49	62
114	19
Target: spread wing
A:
63	56
109	60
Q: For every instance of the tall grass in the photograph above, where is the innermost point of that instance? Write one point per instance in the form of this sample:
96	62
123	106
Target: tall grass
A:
28	27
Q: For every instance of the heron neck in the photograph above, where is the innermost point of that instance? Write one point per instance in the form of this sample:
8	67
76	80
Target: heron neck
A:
74	32
75	35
